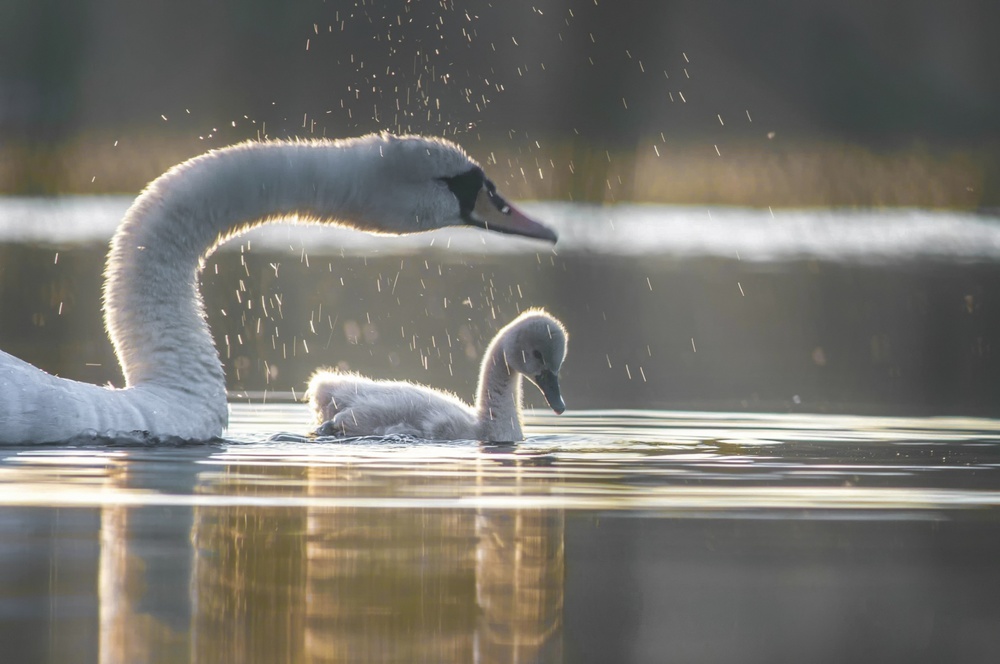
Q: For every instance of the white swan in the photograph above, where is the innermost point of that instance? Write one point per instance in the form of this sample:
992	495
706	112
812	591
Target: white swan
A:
532	345
152	308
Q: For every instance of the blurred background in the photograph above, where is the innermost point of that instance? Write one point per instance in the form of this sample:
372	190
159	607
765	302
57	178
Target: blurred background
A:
764	103
834	105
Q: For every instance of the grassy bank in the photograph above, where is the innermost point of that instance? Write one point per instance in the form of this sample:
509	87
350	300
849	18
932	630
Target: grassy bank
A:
769	174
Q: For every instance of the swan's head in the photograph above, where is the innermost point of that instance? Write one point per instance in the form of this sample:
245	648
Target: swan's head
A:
535	345
426	183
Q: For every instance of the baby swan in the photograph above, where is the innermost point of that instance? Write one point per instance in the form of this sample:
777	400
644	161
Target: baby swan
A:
532	345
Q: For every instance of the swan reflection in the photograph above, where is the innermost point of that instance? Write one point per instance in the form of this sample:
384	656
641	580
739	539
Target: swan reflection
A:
325	583
640	539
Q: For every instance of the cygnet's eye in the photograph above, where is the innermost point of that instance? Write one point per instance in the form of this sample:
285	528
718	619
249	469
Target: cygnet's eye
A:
538	355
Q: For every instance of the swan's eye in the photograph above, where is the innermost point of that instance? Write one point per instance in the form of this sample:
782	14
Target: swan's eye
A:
495	198
466	188
537	354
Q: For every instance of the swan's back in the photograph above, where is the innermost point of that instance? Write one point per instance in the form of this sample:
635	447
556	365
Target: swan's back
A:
351	405
37	407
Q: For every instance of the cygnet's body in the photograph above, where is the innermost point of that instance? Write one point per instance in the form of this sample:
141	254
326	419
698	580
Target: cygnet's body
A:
532	345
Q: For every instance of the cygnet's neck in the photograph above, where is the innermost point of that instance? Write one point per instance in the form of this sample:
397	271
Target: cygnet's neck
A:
498	402
152	307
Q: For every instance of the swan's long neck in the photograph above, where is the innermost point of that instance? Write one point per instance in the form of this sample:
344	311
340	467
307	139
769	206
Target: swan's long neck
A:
498	402
153	310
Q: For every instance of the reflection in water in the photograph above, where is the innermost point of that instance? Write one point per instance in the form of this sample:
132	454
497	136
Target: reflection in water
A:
520	566
390	585
144	591
135	596
250	575
620	537
330	584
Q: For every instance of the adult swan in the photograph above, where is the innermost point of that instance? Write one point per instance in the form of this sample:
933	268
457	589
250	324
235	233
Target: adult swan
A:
152	308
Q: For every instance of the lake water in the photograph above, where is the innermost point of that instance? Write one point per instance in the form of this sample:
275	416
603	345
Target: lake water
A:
782	444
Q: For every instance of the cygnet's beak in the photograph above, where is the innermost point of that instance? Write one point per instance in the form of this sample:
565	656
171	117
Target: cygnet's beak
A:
495	214
548	383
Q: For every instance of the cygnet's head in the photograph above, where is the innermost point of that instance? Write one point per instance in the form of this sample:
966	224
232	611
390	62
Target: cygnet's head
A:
426	183
535	345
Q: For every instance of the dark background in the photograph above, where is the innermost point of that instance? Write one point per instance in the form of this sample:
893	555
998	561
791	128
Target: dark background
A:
779	87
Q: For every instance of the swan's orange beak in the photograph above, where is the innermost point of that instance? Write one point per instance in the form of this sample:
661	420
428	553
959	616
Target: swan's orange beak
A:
505	218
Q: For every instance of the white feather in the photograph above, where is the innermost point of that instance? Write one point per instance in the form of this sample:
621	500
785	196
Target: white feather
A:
153	311
348	405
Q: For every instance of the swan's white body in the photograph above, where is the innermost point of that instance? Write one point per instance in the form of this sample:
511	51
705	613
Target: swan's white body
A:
153	312
532	345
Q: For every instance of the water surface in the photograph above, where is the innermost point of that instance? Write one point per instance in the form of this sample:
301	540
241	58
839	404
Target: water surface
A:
782	445
607	536
882	312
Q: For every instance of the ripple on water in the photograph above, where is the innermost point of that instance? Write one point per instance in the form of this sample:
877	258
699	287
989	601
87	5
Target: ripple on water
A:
674	463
